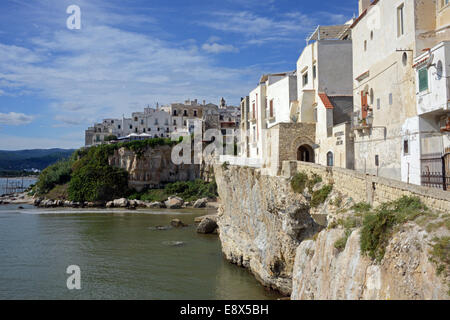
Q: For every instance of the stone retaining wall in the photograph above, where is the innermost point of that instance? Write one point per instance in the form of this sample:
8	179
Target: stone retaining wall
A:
370	189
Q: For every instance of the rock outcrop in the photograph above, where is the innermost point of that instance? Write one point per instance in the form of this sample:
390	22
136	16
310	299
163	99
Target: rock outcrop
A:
269	229
323	272
262	222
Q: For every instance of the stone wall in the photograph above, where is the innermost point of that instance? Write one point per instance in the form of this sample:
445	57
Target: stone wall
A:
283	141
370	189
153	168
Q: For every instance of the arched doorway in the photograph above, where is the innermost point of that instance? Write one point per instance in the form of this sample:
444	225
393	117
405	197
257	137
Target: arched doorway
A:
305	153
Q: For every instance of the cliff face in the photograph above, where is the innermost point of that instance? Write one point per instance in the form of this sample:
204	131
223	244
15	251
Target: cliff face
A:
153	168
322	272
261	223
267	228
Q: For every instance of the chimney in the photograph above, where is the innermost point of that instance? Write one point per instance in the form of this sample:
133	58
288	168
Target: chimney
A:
363	5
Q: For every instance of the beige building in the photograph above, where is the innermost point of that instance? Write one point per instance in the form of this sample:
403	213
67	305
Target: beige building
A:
387	37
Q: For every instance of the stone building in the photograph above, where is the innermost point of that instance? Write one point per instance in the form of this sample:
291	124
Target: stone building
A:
388	100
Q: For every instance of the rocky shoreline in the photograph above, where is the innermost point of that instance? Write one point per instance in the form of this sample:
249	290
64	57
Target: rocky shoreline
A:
207	224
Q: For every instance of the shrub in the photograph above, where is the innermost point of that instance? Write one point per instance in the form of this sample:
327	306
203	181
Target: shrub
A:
440	254
56	174
377	226
319	196
342	242
94	180
298	182
315	179
361	207
110	138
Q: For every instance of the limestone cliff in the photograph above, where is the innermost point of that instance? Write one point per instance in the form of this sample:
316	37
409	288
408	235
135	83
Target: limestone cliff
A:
153	167
323	272
262	222
268	228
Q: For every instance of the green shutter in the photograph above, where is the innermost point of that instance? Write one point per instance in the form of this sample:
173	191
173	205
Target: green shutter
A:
423	79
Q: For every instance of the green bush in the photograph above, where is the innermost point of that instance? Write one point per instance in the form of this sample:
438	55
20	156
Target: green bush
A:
94	180
298	182
342	242
377	226
440	254
319	196
187	190
361	207
315	179
56	174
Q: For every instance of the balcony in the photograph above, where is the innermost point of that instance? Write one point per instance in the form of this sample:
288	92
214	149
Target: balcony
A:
432	78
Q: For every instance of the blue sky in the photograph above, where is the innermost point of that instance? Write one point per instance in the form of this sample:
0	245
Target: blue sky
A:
55	82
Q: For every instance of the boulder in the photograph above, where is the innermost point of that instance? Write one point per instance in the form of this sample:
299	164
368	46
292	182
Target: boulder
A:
207	226
121	203
201	218
174	203
37	201
201	203
154	205
177	223
110	204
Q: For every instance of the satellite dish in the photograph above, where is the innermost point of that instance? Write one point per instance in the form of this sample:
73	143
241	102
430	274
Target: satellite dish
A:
430	61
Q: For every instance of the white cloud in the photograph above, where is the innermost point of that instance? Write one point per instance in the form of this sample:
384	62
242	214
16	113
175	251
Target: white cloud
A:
219	48
8	142
15	119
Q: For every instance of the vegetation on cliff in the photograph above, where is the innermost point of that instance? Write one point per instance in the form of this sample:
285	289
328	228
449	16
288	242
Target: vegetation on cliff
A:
187	190
87	176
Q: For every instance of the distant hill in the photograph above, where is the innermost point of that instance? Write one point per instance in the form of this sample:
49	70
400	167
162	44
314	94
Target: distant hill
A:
28	159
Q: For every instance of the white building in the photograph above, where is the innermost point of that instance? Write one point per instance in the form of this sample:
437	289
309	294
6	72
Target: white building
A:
387	37
427	136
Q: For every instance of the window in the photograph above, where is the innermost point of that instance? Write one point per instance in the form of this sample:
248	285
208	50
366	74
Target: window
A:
365	45
330	159
271	109
131	127
142	122
405	147
400	20
391	99
315	114
118	127
378	104
135	119
156	122
314	71
195	113
174	122
185	113
175	113
405	59
377	160
305	78
423	79
371	35
144	130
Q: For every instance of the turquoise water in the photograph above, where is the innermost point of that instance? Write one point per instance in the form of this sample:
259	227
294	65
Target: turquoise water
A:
121	256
